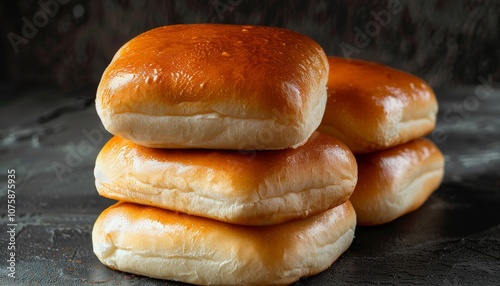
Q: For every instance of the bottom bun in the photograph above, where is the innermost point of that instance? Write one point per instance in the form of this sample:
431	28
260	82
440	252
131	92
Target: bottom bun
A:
162	244
396	181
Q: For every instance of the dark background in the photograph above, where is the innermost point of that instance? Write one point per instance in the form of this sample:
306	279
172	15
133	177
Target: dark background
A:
446	42
48	80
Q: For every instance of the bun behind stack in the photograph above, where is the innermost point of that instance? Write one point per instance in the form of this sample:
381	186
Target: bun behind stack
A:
396	181
372	107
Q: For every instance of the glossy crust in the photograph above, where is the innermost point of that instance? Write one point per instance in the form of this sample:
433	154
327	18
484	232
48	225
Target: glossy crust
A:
215	86
162	244
372	107
396	181
248	188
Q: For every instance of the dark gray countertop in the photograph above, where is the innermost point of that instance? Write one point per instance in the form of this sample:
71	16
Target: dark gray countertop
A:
52	138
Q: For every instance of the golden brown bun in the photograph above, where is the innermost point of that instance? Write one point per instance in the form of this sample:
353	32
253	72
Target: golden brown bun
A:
215	86
258	188
396	181
162	244
372	107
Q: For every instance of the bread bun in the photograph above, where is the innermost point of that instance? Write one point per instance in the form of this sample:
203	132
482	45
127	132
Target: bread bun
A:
396	181
248	188
162	244
372	107
215	86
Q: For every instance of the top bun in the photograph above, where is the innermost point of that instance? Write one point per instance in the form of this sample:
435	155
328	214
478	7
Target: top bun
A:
215	86
372	107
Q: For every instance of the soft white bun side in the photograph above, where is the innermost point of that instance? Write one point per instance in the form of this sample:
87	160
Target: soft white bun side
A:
162	244
217	131
240	187
215	86
396	181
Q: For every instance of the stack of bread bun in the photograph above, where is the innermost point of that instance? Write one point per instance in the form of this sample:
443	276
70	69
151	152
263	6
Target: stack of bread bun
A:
381	114
220	175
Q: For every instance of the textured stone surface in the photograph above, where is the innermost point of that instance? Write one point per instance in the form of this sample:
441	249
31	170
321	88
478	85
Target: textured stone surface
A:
454	239
445	42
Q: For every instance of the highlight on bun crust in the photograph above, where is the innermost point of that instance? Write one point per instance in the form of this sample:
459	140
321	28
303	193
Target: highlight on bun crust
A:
215	86
372	107
162	244
396	181
259	188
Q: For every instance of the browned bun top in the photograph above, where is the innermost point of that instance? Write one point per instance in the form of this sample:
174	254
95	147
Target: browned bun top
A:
372	107
247	171
374	88
397	159
196	68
